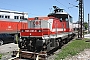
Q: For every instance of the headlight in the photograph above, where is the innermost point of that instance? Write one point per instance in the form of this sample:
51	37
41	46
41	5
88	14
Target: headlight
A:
43	41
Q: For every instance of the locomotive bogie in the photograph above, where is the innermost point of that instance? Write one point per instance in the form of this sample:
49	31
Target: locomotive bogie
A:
43	43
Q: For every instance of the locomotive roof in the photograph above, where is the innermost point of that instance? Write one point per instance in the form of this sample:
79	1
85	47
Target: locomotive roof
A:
58	12
41	18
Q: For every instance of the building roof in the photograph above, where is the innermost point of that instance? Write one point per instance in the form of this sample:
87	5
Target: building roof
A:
10	11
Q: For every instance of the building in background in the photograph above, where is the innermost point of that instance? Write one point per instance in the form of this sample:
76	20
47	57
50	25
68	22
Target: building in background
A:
76	26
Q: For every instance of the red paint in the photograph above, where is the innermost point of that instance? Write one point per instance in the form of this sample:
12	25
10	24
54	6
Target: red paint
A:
34	32
11	27
57	24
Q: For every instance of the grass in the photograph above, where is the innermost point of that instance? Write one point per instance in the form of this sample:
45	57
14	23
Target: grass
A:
0	56
73	48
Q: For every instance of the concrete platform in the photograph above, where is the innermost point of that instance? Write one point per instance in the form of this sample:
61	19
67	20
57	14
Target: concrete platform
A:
87	36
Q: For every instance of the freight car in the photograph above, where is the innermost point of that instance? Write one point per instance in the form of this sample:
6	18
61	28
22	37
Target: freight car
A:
45	34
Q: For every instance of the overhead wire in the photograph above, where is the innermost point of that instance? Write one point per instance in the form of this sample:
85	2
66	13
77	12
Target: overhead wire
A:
63	5
31	9
60	3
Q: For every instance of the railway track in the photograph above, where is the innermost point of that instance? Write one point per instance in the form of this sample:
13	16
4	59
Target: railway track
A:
24	55
43	55
28	55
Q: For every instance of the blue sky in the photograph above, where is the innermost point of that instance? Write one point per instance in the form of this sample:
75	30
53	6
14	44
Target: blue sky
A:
44	7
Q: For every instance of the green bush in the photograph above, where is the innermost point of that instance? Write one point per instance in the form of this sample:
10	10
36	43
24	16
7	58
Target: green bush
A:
0	56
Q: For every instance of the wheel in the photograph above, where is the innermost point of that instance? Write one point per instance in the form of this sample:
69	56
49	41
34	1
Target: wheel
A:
1	42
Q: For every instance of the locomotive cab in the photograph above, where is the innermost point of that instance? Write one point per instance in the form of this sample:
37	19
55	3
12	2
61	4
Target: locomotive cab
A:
64	17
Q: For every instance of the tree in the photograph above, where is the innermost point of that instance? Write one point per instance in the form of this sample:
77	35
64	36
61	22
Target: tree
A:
85	25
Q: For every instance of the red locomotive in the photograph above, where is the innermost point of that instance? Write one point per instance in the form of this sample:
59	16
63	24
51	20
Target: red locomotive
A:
10	24
12	21
45	34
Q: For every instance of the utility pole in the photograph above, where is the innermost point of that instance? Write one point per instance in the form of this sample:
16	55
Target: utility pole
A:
81	18
88	23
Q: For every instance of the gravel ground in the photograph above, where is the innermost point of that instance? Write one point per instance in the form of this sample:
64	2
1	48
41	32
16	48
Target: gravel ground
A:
6	50
84	55
52	57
